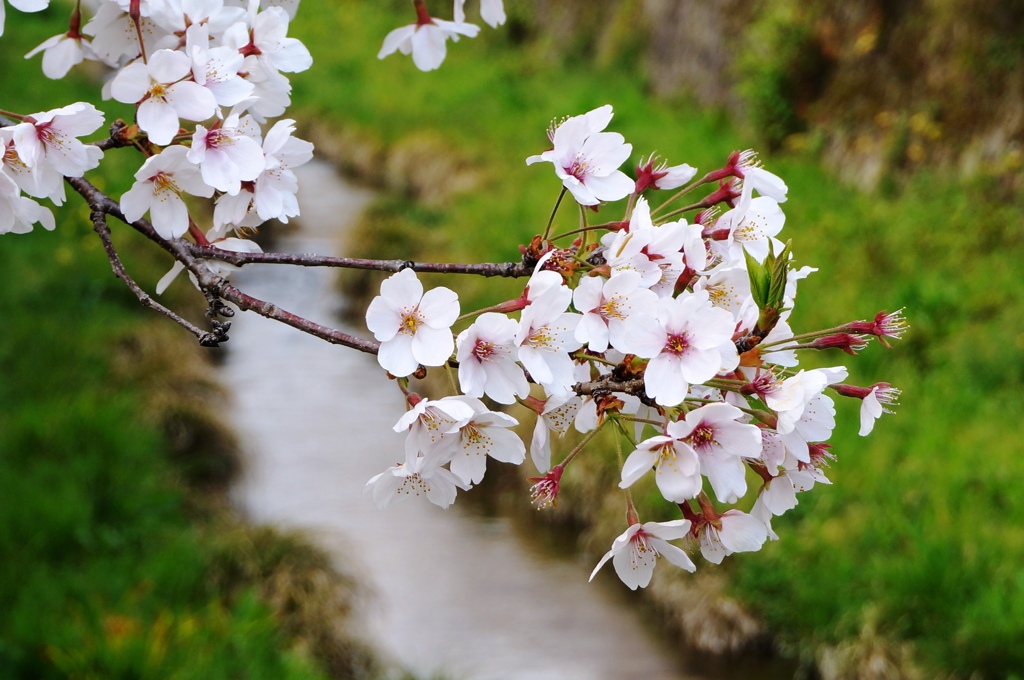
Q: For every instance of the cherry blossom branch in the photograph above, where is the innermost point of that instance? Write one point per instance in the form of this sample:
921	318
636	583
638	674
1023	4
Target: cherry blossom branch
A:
488	269
212	285
206	338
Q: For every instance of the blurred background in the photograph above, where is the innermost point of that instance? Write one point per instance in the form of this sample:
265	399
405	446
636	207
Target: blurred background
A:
898	127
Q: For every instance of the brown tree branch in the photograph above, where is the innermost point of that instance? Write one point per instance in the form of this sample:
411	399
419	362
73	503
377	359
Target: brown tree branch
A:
206	338
213	286
487	269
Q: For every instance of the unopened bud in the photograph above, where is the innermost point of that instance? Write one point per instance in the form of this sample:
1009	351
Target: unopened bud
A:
851	344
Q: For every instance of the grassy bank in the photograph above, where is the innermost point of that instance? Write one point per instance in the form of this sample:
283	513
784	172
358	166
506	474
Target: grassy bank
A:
119	557
920	539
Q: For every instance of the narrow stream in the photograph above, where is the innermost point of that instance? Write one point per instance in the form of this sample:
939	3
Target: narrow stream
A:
452	594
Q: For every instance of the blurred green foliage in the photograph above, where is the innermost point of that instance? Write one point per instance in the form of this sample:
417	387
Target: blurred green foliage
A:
117	560
921	535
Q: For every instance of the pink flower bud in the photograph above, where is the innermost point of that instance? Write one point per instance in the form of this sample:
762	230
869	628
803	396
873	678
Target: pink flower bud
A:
851	344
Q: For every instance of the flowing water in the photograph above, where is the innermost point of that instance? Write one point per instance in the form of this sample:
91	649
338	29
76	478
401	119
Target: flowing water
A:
451	593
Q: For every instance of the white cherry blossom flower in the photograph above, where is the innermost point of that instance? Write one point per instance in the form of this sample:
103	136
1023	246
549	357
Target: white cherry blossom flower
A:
413	327
752	226
485	434
736	532
158	187
419	477
587	159
546	336
487	365
635	552
425	39
217	68
49	139
226	156
265	38
557	415
17	213
163	96
676	467
756	177
432	424
682	342
607	306
273	194
61	53
721	443
115	36
41	181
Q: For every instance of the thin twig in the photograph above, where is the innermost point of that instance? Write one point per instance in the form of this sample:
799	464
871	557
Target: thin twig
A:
487	269
206	338
212	285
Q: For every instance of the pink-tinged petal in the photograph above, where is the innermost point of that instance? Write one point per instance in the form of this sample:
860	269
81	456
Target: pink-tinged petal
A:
168	66
870	410
383	318
727	476
534	362
698	365
403	289
169	215
506	381
428	48
673	554
395	356
742	532
664	380
599	118
158	120
606	151
636	466
711	546
568	140
580	192
508	447
451	27
675	485
432	346
592	330
29	5
469	467
739	439
293	57
601	563
645	337
633	567
169	277
440	307
191	100
611	187
136	201
59	59
587	295
540	448
668	531
493	12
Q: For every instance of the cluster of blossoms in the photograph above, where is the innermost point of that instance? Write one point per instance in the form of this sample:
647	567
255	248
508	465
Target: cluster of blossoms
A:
216	63
675	332
426	39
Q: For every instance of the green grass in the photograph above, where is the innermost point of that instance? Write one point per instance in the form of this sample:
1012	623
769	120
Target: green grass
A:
921	533
112	564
